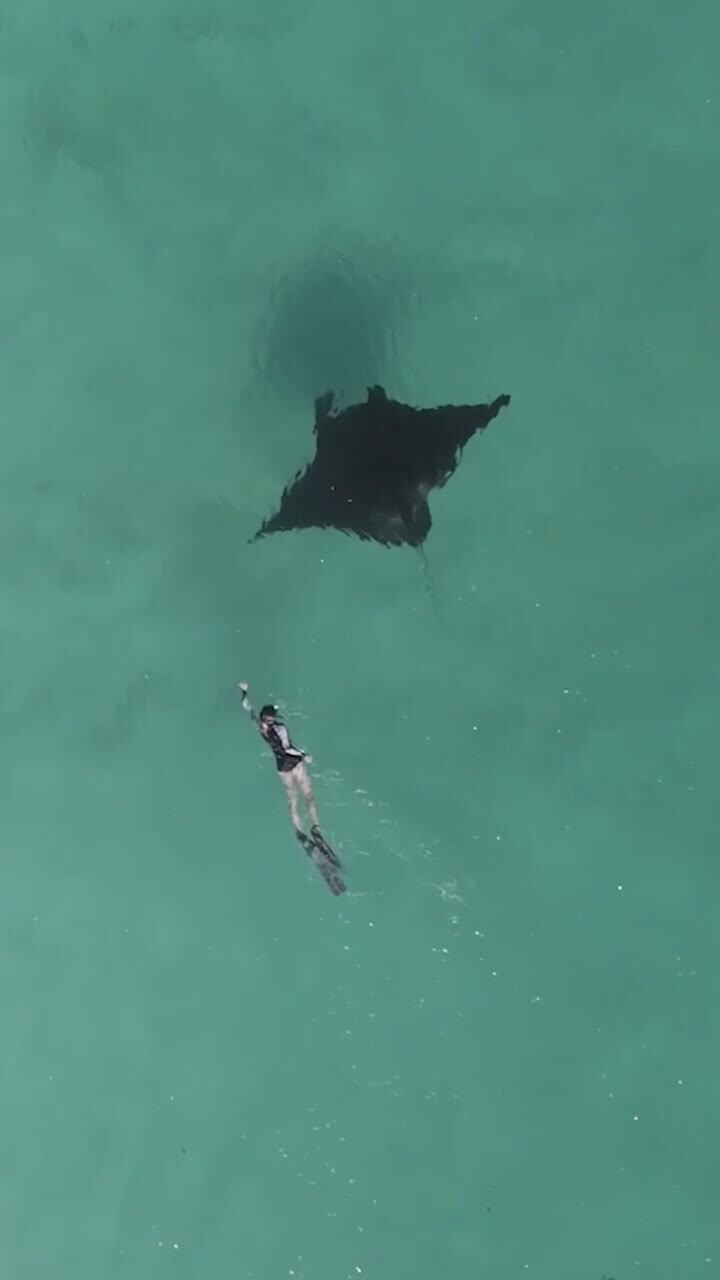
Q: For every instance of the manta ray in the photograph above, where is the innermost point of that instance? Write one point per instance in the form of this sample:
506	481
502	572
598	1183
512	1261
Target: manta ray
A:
375	465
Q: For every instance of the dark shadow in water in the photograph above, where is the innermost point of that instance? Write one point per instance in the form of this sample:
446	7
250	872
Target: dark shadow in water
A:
55	127
332	320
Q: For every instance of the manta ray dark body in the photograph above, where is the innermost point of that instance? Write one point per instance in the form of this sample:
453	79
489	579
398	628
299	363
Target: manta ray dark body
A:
375	464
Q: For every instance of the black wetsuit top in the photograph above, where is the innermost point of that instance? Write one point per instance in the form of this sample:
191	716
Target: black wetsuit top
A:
286	755
278	739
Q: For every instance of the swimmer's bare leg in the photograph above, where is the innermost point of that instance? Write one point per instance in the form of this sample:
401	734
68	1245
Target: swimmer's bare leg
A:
305	785
291	792
315	844
321	843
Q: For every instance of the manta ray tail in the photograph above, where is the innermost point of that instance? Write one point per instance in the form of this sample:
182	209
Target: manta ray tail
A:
429	583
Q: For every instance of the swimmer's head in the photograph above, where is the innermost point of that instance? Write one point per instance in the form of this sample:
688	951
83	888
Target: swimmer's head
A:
268	713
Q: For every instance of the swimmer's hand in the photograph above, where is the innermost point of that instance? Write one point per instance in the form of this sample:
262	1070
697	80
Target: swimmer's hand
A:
308	759
243	687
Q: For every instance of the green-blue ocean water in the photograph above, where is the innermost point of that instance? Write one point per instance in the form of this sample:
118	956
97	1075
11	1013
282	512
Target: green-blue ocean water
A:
497	1057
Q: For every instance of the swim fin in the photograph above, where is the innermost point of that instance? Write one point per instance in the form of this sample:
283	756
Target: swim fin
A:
321	843
325	859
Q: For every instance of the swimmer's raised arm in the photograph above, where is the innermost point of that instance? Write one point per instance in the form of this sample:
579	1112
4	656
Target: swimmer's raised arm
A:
246	705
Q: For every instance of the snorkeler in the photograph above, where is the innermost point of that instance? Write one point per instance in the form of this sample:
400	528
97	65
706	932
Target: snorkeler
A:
292	767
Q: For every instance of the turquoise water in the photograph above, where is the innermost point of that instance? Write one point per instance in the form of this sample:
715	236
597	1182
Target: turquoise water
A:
498	1056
